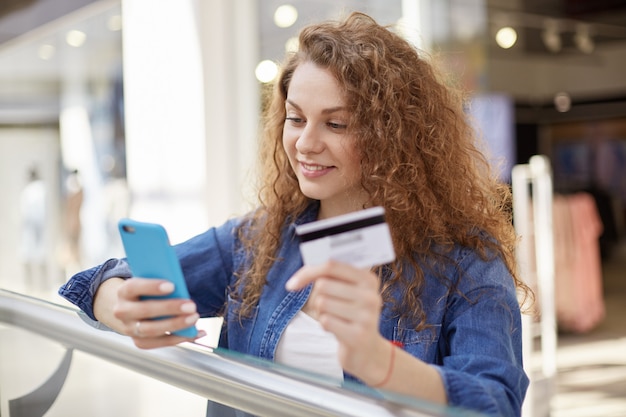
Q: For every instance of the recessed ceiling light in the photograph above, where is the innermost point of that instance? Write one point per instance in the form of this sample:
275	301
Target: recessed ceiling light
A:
75	38
114	23
266	71
46	51
285	16
506	37
562	102
292	44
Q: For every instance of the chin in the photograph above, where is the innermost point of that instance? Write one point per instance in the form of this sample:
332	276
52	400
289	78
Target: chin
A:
313	193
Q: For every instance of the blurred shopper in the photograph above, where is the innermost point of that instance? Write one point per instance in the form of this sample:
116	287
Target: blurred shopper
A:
358	118
74	196
32	248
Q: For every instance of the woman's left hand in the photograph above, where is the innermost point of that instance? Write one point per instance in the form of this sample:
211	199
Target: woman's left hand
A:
346	301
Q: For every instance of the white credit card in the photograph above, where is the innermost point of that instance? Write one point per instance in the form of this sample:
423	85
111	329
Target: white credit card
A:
361	239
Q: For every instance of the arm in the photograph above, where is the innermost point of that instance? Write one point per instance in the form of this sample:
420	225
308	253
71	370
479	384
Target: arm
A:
396	372
118	306
346	301
480	363
107	297
482	341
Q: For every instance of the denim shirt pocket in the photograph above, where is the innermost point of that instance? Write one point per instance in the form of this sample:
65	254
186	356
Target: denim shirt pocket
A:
239	329
422	344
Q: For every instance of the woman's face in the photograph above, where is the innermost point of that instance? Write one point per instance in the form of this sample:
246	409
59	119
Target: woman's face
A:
321	152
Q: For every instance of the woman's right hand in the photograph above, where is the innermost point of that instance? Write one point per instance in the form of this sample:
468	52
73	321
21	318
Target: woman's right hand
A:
117	304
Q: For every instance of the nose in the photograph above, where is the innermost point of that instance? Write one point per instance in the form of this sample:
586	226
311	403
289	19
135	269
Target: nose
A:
309	140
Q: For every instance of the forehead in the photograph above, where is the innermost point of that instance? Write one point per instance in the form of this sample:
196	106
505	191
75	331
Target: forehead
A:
312	83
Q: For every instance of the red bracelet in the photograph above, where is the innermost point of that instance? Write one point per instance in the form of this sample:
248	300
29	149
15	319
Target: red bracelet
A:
390	370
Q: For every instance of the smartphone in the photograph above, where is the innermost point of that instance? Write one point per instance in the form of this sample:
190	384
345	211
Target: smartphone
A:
150	255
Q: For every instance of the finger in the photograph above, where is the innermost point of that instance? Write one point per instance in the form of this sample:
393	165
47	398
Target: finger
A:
134	288
158	327
330	269
156	342
365	309
132	311
335	325
330	287
339	309
351	336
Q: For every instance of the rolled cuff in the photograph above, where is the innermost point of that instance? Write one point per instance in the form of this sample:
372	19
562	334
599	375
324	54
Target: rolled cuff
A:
80	290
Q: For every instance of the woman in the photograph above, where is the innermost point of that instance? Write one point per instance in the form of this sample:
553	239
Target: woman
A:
357	119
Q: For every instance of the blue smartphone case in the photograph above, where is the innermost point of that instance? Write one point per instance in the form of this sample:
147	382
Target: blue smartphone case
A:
150	255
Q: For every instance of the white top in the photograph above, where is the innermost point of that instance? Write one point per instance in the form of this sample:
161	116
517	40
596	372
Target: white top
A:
306	345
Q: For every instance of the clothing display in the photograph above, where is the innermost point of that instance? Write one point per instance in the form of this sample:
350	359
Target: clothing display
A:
578	269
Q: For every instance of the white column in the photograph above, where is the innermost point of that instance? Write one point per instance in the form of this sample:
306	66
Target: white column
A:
164	110
78	153
229	32
417	20
192	106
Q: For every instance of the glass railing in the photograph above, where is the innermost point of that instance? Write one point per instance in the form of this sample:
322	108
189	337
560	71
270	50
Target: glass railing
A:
54	364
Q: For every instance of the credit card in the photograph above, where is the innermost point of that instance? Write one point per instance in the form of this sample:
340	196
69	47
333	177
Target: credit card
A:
361	238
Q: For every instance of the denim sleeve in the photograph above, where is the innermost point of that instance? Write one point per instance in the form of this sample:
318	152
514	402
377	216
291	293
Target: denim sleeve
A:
81	288
482	353
208	264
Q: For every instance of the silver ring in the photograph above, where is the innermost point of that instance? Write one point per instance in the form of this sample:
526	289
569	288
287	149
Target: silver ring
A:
137	328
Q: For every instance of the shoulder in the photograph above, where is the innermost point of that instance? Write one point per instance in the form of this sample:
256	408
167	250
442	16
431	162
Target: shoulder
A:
224	238
472	269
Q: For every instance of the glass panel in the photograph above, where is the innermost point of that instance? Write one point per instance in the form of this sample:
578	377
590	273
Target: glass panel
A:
61	121
86	371
318	379
94	387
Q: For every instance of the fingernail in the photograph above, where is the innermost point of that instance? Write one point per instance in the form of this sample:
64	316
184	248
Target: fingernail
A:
166	287
192	319
291	285
188	307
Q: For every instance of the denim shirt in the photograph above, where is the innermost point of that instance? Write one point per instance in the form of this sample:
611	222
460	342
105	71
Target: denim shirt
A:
473	338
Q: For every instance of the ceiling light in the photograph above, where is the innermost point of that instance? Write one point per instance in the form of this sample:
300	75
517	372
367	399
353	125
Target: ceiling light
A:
562	102
292	44
551	36
114	23
75	38
285	16
266	71
583	39
506	37
46	51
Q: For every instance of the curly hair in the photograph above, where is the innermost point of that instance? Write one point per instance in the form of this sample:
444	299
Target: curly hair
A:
419	160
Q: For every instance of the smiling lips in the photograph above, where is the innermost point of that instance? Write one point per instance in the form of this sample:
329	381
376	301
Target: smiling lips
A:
314	170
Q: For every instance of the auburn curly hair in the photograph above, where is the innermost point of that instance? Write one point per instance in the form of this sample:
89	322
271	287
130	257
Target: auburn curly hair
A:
419	159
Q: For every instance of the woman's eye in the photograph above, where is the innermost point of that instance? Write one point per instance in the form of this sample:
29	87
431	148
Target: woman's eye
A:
336	126
294	120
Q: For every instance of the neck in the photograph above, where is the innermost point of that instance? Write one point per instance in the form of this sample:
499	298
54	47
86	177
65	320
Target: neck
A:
329	210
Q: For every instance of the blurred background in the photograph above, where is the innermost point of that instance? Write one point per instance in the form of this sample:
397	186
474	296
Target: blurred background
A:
150	109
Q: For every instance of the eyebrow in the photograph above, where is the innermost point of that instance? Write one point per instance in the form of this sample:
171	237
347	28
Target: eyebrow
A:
325	111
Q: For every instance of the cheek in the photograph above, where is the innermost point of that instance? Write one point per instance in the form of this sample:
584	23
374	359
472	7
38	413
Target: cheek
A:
353	160
351	156
288	138
289	146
